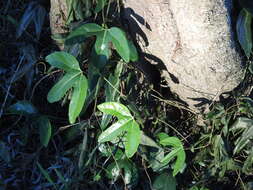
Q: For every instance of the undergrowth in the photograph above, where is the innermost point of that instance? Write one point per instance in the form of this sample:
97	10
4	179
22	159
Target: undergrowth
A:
86	117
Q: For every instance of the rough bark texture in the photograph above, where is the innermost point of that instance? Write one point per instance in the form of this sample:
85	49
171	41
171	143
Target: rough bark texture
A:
194	40
58	13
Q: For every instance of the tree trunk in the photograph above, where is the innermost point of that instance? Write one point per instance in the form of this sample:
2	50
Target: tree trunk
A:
194	41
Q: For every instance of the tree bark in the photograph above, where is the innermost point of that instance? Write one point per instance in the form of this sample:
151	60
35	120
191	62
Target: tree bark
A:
194	40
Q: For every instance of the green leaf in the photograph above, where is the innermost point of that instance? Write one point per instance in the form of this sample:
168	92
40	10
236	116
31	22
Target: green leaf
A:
248	164
78	98
133	51
180	159
107	151
100	5
133	138
62	86
63	60
171	155
245	138
247	4
45	130
23	108
120	43
130	174
115	109
102	44
165	182
171	141
46	175
177	151
162	136
82	32
180	162
111	91
244	32
147	141
114	130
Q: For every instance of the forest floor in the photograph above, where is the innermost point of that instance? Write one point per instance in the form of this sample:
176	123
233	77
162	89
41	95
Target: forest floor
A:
40	149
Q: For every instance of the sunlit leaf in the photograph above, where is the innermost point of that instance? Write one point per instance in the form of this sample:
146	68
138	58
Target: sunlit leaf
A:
114	130
63	60
100	5
133	138
120	43
115	109
82	32
102	44
45	130
177	152
62	86
244	32
78	98
165	182
171	141
23	108
180	162
171	155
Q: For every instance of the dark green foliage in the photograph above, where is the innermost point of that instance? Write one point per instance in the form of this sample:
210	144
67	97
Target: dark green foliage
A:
111	129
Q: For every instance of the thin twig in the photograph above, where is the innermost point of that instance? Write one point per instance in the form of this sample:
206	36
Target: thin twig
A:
9	87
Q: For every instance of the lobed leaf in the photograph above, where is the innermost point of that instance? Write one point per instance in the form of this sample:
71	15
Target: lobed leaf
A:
177	152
